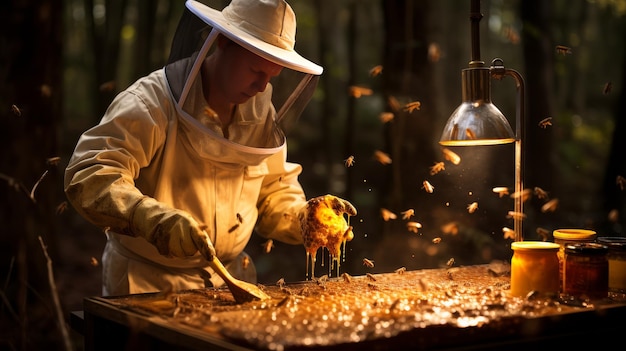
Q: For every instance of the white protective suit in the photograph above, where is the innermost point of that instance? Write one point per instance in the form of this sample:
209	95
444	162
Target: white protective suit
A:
145	145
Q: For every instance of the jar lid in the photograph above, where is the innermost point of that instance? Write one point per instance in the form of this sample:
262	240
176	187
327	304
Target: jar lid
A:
586	249
613	242
574	234
534	245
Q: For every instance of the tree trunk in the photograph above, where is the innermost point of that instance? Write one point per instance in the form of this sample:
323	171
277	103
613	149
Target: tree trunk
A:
30	95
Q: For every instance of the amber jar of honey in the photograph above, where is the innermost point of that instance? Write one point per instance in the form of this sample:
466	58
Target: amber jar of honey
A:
617	265
586	270
573	235
534	267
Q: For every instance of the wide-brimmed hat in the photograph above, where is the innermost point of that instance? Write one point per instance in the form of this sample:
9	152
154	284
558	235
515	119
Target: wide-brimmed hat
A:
265	27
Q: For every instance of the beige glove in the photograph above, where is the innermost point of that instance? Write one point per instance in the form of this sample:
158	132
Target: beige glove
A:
324	224
173	232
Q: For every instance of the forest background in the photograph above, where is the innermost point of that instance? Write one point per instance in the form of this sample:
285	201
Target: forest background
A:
62	62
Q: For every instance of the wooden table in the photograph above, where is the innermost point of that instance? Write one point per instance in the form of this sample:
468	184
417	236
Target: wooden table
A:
465	308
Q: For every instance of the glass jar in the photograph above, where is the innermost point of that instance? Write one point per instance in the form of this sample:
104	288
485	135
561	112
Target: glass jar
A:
564	236
586	270
617	264
534	267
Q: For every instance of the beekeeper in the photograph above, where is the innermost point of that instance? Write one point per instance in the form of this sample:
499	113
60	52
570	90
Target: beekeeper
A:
197	149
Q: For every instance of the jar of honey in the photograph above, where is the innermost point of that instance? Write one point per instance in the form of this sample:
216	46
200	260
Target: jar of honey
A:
617	265
534	267
586	270
564	236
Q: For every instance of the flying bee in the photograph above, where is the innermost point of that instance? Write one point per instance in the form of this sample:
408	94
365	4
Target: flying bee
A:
437	167
94	262
471	208
357	91
381	157
621	182
209	112
434	52
233	228
428	187
607	88
501	190
408	213
387	215
412	106
543	233
376	70
268	245
53	161
393	103
613	215
349	162
436	240
16	110
544	123
540	193
107	86
62	207
512	35
450	228
516	215
386	117
550	206
508	233
525	194
563	50
450	262
368	263
239	218
413	226
451	156
470	134
245	262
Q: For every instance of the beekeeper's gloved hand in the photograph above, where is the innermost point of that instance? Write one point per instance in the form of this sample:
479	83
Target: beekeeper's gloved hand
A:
173	232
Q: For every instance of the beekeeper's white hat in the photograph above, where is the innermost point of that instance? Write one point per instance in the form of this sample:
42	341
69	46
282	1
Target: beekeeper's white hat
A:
265	27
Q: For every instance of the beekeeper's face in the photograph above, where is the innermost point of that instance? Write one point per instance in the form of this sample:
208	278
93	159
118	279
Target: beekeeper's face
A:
242	73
